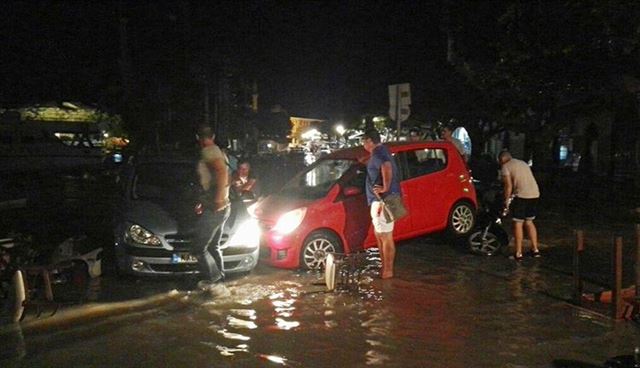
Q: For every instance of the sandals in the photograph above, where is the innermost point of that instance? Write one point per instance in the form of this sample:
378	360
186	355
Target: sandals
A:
516	258
536	254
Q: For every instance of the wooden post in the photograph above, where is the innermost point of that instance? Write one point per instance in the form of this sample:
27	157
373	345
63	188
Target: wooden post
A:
577	279
616	289
637	266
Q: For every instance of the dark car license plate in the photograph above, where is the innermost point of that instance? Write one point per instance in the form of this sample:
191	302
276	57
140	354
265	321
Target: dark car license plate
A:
183	258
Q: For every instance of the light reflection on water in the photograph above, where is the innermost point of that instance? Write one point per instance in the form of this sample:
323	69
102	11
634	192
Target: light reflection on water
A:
445	310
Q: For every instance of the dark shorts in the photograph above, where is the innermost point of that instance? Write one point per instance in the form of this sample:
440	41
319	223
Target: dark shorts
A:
524	209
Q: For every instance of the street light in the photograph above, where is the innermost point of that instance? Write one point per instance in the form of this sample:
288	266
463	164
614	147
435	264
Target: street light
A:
340	129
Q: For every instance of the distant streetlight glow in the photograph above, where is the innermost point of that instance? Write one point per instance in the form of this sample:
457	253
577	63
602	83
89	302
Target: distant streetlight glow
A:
310	134
340	129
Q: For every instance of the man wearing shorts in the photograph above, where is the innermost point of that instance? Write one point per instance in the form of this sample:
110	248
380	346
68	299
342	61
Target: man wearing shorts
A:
518	180
382	180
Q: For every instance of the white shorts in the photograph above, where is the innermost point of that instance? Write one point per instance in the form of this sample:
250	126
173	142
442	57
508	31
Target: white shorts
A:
380	224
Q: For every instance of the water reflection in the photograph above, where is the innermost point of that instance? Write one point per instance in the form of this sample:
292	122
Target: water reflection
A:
241	323
444	309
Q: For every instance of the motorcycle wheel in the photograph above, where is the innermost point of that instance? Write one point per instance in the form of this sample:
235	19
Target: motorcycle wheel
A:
19	296
487	246
330	272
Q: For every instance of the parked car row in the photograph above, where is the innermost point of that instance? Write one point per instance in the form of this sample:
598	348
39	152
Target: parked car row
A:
322	209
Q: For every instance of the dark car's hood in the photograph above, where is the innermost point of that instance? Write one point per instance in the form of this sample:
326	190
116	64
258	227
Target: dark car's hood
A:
160	217
163	218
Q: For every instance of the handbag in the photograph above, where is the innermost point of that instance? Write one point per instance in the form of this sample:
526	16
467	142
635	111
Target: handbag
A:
393	207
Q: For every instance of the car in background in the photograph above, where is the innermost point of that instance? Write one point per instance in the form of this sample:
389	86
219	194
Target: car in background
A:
324	209
154	221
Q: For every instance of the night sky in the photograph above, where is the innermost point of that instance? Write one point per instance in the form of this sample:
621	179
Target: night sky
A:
316	59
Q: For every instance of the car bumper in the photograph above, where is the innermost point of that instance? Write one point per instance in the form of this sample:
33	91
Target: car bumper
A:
145	261
281	251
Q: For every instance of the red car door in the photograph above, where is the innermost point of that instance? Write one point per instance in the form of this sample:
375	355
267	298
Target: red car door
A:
426	187
357	229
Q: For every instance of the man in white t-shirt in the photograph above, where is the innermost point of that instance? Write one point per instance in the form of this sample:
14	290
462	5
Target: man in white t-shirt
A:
519	182
447	134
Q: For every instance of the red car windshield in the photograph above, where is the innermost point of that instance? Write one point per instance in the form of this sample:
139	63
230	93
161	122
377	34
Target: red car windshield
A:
316	181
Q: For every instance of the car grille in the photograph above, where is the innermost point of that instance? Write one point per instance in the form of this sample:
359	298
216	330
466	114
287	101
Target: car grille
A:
187	267
183	243
178	242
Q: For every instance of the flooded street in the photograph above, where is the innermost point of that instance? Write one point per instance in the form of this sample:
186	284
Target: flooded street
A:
445	308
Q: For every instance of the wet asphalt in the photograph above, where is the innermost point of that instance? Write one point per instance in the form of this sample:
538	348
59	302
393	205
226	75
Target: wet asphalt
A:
444	308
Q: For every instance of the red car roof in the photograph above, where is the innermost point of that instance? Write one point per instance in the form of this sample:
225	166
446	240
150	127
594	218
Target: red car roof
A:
359	153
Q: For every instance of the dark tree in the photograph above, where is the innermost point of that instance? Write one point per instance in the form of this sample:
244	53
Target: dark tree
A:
540	64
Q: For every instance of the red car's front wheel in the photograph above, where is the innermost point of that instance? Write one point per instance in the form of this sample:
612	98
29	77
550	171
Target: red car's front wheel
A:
316	247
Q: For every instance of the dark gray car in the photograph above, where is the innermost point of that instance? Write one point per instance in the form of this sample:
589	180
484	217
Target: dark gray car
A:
154	221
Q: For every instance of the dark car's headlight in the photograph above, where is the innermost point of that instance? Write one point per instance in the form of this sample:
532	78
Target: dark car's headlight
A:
141	235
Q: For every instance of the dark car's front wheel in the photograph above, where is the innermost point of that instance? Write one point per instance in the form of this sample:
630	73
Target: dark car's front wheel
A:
316	247
462	219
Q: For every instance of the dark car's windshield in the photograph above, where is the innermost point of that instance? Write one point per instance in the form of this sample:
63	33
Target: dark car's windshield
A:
164	181
316	181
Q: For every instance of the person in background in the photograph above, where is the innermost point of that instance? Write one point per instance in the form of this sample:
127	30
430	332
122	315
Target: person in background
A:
382	179
414	135
244	184
213	211
519	182
447	135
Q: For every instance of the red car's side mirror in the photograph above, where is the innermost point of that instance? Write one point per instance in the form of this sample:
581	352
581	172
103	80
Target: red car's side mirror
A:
351	191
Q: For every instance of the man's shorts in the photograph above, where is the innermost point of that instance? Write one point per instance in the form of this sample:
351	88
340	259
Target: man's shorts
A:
380	224
524	209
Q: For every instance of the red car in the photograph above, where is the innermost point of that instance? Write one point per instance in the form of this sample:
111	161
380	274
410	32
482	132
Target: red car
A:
324	209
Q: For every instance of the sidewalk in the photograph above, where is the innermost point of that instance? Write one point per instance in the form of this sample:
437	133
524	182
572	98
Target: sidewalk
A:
602	214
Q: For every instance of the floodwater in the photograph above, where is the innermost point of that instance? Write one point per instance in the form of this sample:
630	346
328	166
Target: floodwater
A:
445	308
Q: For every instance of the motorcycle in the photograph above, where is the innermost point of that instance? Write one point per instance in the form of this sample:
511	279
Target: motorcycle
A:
69	264
489	237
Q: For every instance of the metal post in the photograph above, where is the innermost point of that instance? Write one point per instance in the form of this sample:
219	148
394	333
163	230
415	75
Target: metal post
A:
577	279
616	289
637	268
398	121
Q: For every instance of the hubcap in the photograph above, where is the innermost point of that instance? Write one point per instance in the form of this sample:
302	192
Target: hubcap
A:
315	253
462	219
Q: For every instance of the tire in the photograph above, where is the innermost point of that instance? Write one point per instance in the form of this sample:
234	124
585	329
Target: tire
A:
315	249
462	220
488	246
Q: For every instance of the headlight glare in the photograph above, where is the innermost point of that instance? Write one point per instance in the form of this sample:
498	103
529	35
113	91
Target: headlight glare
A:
141	235
290	220
247	235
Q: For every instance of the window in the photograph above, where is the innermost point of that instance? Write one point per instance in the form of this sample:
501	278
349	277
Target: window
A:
318	179
165	181
425	161
355	177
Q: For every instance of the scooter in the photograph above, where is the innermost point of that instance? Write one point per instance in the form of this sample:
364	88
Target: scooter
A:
489	237
68	263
